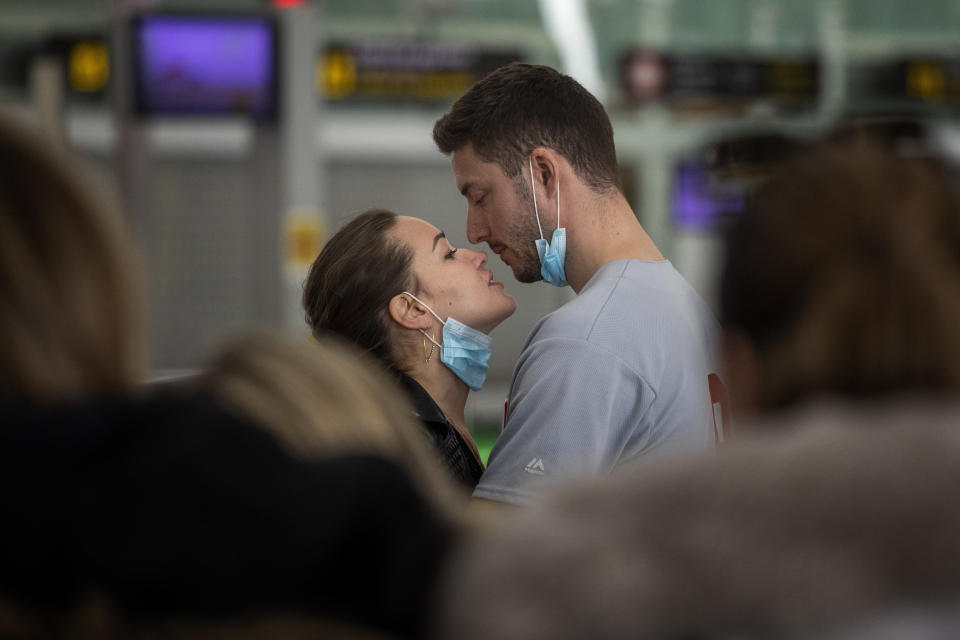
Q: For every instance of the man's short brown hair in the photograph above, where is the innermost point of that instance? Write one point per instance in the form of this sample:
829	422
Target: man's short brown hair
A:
520	107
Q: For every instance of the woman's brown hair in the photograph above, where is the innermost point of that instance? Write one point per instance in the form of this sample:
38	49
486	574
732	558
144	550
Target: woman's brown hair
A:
351	282
69	307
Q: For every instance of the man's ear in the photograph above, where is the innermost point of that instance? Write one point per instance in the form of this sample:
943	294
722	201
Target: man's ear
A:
546	165
409	313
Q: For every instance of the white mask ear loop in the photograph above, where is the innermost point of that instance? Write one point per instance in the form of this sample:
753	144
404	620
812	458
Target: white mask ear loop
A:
534	189
558	203
425	305
434	315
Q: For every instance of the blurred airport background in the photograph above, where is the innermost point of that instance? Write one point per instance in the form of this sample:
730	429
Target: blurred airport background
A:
231	196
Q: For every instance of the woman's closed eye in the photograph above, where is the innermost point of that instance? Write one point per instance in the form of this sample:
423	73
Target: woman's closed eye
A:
449	255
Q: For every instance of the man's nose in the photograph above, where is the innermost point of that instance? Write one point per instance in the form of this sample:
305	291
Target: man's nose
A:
477	230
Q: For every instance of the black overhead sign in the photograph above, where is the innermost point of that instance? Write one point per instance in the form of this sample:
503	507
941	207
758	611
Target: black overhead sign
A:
916	83
932	80
647	76
405	70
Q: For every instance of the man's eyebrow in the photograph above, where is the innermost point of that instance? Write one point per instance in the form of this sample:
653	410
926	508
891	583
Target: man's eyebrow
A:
436	239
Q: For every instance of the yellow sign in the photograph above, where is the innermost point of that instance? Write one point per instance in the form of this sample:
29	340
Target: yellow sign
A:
303	241
89	66
927	81
336	75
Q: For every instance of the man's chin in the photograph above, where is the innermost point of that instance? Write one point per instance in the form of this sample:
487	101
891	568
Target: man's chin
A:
526	274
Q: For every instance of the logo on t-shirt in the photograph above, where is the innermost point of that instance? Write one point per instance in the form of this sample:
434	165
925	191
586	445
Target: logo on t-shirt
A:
535	467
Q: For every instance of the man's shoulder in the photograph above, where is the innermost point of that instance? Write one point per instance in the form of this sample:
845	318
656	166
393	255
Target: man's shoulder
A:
571	321
622	293
656	279
575	318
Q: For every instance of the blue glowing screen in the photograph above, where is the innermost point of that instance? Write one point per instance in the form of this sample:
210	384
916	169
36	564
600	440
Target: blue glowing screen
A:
205	65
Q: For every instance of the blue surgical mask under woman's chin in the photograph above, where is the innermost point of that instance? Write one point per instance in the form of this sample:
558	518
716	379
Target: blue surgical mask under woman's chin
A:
465	351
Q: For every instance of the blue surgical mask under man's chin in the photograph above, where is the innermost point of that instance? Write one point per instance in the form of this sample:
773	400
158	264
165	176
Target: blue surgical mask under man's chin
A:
465	351
552	254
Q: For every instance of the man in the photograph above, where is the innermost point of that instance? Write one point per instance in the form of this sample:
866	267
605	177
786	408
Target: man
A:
622	370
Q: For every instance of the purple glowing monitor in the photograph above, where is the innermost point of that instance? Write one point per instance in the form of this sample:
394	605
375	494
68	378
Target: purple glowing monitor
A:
205	65
697	203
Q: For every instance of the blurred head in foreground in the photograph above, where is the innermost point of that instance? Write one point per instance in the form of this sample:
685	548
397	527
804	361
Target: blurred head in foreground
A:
842	278
172	515
286	492
326	399
796	531
69	311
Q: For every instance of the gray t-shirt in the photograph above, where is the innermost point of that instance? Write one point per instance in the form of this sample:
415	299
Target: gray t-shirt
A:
621	371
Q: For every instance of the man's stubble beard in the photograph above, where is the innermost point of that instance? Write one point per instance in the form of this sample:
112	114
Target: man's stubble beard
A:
523	235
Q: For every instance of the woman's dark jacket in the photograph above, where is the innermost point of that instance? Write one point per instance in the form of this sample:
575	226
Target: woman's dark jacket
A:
456	453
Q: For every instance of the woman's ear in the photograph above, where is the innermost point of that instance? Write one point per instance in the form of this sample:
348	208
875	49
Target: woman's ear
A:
409	313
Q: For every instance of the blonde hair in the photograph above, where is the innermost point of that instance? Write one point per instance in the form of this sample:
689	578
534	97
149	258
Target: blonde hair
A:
325	398
69	306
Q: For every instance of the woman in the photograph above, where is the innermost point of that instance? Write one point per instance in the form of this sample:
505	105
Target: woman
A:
395	286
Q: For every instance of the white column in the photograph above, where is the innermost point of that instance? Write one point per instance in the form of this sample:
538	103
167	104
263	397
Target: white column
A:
303	223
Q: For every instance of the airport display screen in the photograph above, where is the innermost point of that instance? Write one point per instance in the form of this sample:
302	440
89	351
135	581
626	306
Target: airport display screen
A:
205	65
700	200
714	184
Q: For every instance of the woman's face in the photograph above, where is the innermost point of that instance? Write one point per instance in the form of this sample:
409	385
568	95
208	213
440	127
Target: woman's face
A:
454	281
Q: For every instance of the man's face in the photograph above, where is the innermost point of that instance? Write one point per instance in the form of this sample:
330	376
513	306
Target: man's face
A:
499	212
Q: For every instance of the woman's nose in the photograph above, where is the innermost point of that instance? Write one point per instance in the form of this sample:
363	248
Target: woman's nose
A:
479	258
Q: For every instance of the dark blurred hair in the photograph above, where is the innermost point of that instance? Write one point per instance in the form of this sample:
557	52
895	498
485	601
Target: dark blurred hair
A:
69	292
844	273
519	107
353	279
